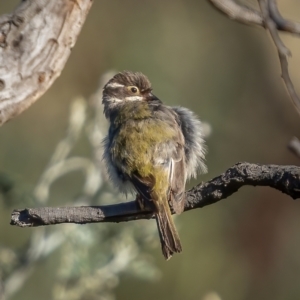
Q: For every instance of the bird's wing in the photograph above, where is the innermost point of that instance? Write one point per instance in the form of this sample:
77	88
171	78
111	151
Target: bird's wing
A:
177	179
194	144
143	185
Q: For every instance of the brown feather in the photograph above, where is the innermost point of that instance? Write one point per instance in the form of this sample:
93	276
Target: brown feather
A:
177	183
169	238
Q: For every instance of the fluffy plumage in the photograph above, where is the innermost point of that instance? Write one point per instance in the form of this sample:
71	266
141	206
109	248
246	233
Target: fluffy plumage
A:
194	144
151	148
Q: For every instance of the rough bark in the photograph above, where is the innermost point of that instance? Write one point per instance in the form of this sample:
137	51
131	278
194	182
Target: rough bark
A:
283	178
35	42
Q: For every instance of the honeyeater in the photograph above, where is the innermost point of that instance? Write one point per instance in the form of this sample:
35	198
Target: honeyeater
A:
151	149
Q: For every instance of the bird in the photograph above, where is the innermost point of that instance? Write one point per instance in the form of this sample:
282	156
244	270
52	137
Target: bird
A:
151	149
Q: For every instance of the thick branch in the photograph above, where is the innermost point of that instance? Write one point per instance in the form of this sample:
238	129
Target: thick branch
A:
283	178
35	43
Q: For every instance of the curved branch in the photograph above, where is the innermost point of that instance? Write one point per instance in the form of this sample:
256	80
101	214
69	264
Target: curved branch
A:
238	12
281	23
248	15
35	43
268	17
268	6
283	178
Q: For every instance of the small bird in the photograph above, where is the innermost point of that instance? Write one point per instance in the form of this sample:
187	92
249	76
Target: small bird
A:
151	149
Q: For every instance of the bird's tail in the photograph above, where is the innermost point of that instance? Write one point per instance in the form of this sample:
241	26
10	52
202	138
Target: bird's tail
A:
169	238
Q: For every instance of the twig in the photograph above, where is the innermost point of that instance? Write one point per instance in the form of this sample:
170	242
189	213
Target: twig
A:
288	82
281	23
271	26
270	18
283	51
251	16
238	12
283	178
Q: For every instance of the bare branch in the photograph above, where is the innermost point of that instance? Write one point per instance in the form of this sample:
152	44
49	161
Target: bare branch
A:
238	12
283	178
283	51
35	43
288	82
270	18
281	23
271	26
251	16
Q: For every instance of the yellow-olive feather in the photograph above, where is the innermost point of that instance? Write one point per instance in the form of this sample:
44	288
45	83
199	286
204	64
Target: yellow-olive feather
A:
132	146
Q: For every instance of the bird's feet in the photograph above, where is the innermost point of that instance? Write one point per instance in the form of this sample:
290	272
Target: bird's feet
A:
140	201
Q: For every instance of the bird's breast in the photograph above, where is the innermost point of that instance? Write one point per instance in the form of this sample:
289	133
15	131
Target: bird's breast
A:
135	144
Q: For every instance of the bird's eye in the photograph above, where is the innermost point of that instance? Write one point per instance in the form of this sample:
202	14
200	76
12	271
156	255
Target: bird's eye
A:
133	89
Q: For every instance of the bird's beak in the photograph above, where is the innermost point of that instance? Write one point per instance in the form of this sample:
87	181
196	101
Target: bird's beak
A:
152	97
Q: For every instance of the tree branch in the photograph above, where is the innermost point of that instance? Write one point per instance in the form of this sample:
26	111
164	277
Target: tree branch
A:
281	23
268	17
238	12
283	178
248	15
268	6
35	42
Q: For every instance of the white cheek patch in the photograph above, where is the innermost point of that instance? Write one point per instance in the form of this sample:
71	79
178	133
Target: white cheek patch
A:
115	85
134	98
114	99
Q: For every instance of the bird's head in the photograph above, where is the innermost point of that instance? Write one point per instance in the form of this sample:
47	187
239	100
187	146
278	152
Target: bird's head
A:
126	87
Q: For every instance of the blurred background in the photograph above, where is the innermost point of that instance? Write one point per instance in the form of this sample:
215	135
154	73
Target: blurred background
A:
245	247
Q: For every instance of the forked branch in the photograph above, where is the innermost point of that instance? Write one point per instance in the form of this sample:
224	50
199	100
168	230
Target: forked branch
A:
270	18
